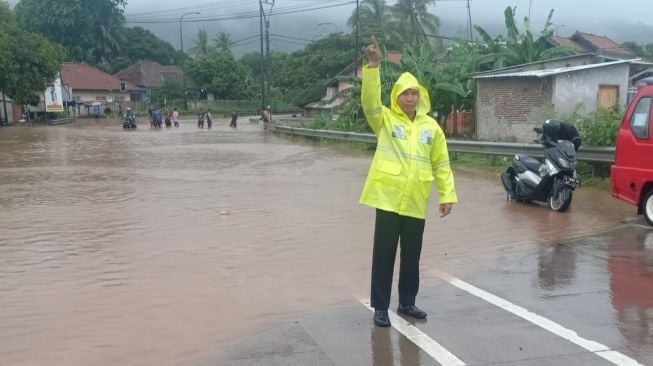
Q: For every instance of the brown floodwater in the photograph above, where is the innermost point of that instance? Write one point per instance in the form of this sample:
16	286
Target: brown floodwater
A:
160	247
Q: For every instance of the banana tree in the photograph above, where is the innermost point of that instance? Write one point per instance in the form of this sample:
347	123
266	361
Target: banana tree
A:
520	47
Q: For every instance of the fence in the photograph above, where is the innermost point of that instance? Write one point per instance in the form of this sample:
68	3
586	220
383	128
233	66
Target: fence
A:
585	153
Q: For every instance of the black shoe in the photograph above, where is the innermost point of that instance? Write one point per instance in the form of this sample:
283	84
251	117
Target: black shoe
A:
381	318
412	311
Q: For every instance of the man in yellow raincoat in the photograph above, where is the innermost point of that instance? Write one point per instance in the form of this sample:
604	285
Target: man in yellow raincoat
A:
411	154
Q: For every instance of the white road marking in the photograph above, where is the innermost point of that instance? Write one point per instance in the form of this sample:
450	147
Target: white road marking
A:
423	341
642	226
599	349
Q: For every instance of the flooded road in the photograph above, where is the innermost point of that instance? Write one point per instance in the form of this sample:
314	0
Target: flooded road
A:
165	247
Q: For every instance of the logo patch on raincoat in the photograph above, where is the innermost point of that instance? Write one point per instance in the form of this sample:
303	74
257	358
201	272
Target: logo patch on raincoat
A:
399	133
426	137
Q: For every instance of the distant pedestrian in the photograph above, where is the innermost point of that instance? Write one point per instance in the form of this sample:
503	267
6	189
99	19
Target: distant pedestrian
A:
175	117
200	120
149	112
234	119
265	116
157	119
209	121
166	119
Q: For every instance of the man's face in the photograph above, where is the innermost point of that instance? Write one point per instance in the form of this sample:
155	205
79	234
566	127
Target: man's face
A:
408	101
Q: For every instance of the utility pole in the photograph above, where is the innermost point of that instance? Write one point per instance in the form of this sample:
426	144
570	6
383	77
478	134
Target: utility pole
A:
260	3
181	45
266	79
268	63
4	108
471	27
357	46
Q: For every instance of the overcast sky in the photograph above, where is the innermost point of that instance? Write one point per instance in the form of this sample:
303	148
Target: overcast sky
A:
294	23
620	20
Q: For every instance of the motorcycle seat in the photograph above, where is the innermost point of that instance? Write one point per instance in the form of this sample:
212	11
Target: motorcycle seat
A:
530	162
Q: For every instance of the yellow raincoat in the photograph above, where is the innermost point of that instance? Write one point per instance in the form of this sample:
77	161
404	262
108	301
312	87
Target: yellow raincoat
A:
409	155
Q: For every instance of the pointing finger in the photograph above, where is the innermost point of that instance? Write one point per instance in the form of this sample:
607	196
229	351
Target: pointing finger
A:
374	42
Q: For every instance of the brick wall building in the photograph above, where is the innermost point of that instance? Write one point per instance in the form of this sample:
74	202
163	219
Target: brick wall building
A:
507	107
510	104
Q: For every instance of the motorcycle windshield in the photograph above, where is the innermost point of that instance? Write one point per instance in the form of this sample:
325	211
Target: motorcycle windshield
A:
567	149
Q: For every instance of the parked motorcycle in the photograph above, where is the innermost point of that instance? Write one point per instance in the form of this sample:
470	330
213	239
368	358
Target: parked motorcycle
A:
552	181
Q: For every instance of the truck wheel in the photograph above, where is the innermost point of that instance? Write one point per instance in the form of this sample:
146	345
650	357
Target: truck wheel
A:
560	201
647	207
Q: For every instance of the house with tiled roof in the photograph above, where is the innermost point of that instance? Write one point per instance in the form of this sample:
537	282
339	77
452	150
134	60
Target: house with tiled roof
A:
335	86
607	50
513	100
87	85
149	75
598	45
510	103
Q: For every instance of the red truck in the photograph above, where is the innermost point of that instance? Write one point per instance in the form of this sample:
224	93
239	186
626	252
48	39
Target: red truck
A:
631	176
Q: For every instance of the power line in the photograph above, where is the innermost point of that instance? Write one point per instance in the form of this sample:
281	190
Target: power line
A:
245	39
246	43
208	6
289	37
252	14
288	41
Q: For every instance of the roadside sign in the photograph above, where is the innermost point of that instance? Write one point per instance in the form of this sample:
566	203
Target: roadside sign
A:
53	97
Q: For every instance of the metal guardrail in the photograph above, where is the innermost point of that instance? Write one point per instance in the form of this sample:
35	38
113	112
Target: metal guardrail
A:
585	153
60	121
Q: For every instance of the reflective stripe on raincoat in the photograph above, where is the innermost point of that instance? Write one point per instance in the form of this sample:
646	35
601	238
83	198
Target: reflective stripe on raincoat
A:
409	156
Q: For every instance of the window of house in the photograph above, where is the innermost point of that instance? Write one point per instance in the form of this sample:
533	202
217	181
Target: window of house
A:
78	98
103	97
123	86
640	120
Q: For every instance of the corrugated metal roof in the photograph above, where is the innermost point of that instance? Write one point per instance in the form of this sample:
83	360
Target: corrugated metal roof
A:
549	72
324	104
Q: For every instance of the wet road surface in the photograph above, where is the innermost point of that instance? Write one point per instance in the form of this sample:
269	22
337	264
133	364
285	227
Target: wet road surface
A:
239	247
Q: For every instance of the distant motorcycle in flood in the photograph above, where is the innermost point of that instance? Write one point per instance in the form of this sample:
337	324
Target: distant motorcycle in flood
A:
129	122
553	180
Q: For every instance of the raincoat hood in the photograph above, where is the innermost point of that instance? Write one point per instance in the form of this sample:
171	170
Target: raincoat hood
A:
408	81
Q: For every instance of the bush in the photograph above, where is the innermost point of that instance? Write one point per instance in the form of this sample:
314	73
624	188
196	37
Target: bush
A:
596	129
319	123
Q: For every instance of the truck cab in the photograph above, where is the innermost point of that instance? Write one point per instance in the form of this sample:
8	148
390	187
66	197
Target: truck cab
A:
631	176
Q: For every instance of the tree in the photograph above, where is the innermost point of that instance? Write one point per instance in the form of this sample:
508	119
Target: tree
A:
644	51
447	76
413	20
520	48
491	52
169	90
201	43
142	45
88	29
28	61
302	75
373	18
221	75
223	42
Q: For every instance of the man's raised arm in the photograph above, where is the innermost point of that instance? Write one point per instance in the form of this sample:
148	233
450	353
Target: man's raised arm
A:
371	88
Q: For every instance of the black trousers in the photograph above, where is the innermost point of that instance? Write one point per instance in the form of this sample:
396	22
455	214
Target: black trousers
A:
391	229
